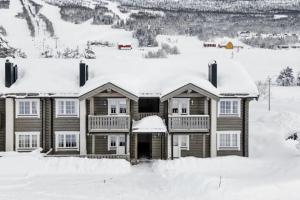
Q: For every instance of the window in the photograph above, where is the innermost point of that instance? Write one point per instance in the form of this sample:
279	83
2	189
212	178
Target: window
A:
27	108
229	140
149	105
180	106
229	107
67	108
115	141
117	106
67	140
182	141
26	141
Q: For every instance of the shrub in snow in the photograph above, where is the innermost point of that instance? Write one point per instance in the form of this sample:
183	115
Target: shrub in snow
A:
160	53
286	77
170	50
298	79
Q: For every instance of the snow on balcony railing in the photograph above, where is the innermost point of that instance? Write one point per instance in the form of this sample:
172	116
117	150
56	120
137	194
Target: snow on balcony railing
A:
188	123
105	123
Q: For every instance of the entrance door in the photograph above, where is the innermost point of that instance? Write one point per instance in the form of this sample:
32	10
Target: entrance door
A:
176	147
121	145
144	146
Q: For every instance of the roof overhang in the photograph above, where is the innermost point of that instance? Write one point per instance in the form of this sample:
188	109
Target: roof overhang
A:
108	86
189	86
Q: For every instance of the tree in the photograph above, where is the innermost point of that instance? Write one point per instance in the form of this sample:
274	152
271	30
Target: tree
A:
286	77
298	79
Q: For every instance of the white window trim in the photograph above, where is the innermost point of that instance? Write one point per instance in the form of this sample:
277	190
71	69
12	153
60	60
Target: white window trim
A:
237	148
57	115
64	133
112	148
18	115
180	101
230	114
118	100
31	133
187	142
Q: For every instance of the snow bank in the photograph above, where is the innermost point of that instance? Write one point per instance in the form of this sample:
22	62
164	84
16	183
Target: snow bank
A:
34	163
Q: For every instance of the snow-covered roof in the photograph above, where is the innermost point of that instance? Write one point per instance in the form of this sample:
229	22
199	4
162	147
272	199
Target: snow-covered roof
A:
139	76
151	124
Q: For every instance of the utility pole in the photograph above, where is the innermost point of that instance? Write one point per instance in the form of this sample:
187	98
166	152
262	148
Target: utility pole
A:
269	82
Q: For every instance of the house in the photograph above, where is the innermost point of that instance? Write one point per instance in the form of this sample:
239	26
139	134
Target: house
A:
208	44
124	46
148	109
228	45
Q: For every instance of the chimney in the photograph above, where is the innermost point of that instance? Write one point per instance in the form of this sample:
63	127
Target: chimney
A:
11	73
83	73
213	73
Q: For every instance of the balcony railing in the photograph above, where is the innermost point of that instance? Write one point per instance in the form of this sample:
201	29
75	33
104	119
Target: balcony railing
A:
188	123
108	123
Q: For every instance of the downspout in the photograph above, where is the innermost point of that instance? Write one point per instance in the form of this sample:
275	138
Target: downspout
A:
161	146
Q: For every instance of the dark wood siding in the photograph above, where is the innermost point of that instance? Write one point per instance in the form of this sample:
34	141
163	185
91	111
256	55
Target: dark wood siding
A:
101	145
136	115
28	124
197	105
236	124
199	146
158	146
64	124
2	124
101	106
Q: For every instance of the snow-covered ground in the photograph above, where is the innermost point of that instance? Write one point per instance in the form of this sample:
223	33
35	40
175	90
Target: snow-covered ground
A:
271	172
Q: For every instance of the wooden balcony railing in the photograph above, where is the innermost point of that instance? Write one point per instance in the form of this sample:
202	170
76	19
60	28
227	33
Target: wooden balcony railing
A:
108	123
188	123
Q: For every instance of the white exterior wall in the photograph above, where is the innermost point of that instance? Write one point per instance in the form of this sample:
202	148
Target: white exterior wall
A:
213	128
82	111
9	126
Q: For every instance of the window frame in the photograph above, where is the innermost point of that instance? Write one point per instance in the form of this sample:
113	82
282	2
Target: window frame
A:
114	148
64	134
180	102
230	147
30	115
180	139
58	108
118	101
30	133
231	114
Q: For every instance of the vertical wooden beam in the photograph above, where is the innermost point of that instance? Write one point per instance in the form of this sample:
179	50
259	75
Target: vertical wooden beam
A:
135	146
82	108
206	106
204	146
93	143
213	128
172	144
9	124
92	106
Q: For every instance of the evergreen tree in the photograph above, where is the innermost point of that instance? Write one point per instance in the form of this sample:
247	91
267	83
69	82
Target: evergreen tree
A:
286	77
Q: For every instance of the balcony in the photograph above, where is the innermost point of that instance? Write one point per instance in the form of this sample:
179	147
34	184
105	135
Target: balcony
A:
108	123
188	123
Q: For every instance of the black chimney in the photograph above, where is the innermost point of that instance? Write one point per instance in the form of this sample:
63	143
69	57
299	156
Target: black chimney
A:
213	73
83	74
11	73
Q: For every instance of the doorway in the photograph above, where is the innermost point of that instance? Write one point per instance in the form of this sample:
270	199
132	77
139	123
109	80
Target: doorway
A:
144	146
